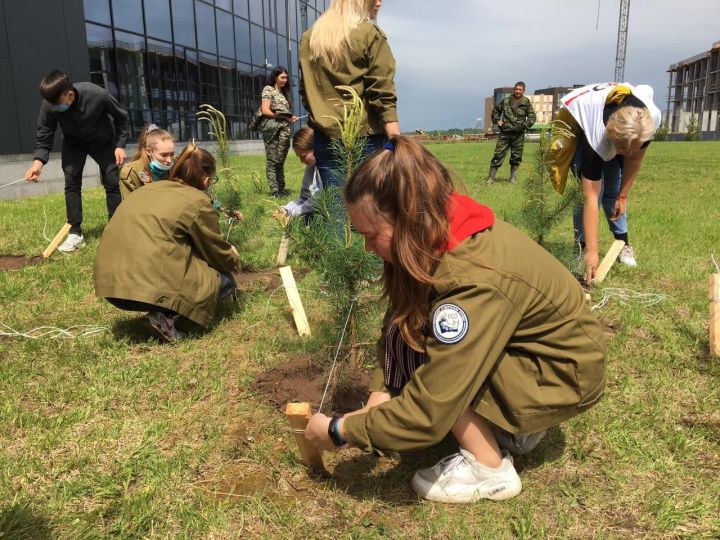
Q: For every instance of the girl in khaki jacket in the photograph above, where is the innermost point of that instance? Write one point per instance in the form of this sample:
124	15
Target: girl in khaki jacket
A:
488	336
163	251
152	161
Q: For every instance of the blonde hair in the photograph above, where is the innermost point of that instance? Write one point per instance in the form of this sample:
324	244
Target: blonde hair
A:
149	137
629	127
409	188
330	37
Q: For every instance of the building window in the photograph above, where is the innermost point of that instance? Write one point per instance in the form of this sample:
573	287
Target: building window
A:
97	11
128	15
157	19
241	8
184	22
206	27
242	40
102	59
257	42
256	14
226	37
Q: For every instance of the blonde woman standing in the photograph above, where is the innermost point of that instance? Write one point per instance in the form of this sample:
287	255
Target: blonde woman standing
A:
345	47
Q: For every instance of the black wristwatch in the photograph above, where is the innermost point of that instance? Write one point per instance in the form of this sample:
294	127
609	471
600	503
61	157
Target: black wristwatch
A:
334	433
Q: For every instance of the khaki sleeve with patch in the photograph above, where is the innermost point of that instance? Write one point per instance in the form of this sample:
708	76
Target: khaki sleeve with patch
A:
461	355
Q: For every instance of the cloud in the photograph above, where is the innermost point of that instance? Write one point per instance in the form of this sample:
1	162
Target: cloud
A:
451	55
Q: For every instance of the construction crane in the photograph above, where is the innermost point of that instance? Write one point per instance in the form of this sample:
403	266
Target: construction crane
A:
622	41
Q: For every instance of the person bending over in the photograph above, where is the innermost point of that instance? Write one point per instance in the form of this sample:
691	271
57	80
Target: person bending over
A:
152	161
92	123
612	125
487	335
302	144
163	251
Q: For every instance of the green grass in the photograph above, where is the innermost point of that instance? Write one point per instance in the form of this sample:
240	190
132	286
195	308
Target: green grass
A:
119	436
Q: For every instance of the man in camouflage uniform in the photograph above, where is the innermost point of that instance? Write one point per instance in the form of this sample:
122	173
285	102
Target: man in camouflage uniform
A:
514	115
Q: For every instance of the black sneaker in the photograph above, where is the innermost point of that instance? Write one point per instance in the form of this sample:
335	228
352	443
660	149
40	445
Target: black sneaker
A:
276	195
163	326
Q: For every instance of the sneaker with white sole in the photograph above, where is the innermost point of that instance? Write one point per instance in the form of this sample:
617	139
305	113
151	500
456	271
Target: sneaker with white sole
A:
518	445
163	326
460	478
627	256
71	243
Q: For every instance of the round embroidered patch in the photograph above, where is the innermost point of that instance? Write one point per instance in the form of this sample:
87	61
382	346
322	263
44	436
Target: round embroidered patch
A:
450	323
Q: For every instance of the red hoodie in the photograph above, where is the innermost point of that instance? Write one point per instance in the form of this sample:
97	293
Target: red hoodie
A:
467	217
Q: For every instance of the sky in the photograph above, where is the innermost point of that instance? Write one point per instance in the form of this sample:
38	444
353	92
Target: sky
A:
451	54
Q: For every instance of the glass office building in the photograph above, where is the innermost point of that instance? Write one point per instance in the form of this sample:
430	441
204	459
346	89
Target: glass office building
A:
163	58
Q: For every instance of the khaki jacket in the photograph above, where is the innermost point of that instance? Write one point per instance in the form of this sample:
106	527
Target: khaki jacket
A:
369	68
135	174
512	337
163	246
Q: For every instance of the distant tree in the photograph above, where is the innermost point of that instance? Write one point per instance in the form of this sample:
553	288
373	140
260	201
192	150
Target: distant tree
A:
662	132
693	129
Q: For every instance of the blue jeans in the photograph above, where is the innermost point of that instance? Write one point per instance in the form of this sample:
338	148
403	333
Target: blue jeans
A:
327	162
611	179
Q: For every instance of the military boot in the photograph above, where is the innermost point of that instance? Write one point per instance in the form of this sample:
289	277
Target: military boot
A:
513	174
491	175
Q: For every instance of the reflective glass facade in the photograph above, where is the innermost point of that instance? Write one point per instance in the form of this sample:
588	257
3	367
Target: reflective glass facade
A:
163	58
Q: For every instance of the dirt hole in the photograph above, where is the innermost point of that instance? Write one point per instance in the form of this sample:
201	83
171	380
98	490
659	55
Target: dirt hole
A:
14	262
301	379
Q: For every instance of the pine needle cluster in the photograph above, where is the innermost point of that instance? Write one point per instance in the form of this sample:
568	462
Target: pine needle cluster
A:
542	209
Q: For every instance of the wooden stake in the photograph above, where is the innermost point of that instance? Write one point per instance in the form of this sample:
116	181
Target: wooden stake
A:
282	253
608	260
714	294
298	415
298	312
52	246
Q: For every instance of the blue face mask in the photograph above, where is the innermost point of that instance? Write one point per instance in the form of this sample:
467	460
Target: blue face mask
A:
62	107
157	169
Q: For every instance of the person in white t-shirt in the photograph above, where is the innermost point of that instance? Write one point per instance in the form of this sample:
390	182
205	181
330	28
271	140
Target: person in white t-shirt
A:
612	124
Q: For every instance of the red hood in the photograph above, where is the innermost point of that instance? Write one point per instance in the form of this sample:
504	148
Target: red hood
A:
467	217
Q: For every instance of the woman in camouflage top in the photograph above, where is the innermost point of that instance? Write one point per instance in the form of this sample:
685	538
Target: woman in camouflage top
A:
276	110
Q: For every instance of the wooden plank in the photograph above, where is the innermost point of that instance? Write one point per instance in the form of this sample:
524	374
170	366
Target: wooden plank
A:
298	311
714	296
608	260
52	246
282	252
298	415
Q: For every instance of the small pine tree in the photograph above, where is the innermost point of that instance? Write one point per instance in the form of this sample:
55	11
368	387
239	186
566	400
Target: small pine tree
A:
693	129
662	132
326	241
227	191
542	208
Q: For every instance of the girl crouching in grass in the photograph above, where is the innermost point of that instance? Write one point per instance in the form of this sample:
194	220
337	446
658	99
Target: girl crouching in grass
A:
163	251
487	335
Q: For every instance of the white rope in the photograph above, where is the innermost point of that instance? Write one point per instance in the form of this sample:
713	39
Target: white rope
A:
231	223
52	332
627	297
717	268
267	304
337	352
11	183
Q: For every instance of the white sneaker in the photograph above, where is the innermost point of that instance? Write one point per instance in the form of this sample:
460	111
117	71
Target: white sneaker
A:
459	478
627	256
71	243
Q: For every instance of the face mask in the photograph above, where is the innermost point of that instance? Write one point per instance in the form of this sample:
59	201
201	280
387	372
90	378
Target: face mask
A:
62	107
157	169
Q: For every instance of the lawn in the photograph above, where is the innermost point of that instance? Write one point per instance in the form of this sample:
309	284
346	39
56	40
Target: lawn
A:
115	435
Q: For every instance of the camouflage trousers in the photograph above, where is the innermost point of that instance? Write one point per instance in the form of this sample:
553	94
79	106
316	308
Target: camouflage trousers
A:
276	151
514	143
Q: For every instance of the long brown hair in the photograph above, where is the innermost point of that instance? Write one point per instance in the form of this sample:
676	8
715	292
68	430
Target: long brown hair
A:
410	188
192	167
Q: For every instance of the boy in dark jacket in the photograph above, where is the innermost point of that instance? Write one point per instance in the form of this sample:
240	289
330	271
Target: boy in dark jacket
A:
92	123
